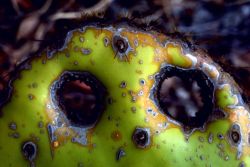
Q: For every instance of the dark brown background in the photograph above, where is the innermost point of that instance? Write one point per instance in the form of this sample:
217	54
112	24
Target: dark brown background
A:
220	27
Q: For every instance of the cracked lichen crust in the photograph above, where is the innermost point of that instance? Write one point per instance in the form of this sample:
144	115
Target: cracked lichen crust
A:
126	61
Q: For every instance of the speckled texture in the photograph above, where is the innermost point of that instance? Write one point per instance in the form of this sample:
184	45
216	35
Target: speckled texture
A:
90	49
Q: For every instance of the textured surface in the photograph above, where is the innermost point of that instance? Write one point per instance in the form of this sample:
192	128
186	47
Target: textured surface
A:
30	109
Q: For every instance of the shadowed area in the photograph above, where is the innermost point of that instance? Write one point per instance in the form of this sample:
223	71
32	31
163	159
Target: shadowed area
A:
186	96
81	97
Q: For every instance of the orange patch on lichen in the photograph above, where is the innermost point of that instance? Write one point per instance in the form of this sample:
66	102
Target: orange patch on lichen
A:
158	118
55	144
240	115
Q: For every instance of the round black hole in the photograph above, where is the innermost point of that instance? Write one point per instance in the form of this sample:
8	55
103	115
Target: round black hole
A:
235	134
120	44
235	137
80	96
141	137
29	150
186	96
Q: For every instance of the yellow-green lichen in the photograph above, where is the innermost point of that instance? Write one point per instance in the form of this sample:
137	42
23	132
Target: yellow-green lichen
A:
87	51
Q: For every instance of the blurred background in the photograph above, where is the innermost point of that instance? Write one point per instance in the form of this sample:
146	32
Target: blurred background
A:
220	27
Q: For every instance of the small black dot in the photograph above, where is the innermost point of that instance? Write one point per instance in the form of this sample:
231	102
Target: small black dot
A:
120	153
142	82
220	136
235	137
123	84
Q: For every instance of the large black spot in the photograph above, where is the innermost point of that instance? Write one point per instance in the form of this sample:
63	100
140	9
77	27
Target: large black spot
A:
120	44
80	96
184	95
29	150
235	134
141	137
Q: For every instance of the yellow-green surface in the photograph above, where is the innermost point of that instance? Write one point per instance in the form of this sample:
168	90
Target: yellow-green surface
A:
224	97
169	148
